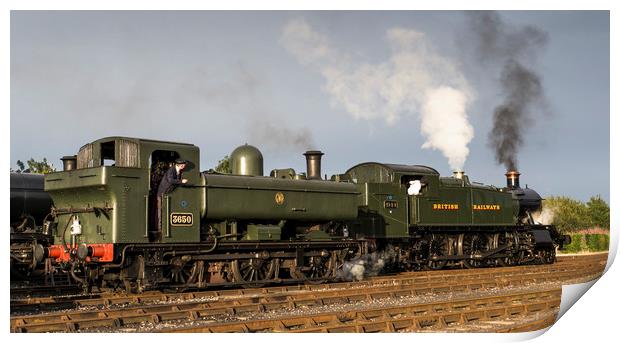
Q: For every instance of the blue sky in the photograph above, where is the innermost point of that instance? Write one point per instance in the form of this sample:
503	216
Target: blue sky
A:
342	82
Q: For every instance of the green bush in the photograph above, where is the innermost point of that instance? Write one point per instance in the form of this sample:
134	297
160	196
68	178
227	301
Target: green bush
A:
597	242
598	211
587	243
606	242
592	242
37	167
575	244
571	215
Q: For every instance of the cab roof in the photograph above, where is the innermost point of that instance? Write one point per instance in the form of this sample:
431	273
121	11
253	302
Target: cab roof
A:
138	140
385	172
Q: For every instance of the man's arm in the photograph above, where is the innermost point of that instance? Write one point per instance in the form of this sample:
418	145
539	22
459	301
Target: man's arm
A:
171	179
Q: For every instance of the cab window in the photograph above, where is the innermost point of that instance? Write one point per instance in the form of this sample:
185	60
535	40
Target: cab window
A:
161	160
107	154
414	185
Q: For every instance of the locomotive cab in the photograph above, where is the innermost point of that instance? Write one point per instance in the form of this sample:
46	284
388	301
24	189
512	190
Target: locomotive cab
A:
97	205
386	207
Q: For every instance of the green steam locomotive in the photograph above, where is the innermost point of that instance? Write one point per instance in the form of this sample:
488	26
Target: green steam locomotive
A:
250	230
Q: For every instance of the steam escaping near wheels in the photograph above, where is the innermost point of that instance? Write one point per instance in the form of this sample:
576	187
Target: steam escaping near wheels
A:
367	265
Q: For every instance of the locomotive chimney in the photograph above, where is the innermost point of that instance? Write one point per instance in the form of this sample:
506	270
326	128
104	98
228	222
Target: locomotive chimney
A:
313	164
512	179
69	162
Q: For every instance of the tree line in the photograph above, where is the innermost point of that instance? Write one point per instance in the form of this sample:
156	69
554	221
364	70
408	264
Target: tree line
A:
34	166
571	215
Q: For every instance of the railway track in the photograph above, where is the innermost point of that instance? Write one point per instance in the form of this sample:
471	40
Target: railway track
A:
425	281
433	316
25	291
49	293
125	312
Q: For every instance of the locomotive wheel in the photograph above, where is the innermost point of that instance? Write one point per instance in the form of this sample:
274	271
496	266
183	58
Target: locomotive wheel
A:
338	259
315	267
547	256
257	271
130	286
474	244
197	274
179	273
527	254
438	246
510	239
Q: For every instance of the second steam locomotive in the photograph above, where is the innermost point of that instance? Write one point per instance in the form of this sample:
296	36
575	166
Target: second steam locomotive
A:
30	210
248	229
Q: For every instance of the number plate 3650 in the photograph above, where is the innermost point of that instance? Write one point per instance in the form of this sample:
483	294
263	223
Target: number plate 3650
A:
181	219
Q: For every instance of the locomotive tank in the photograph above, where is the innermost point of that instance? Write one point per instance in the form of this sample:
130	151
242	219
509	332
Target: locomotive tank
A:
262	198
28	197
247	195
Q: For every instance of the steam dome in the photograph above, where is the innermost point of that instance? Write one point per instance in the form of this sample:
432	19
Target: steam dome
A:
246	160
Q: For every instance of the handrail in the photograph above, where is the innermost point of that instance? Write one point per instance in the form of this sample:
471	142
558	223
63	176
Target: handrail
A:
146	216
167	216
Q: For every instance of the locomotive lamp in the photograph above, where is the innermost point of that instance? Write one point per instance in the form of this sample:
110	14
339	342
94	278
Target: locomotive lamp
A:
76	228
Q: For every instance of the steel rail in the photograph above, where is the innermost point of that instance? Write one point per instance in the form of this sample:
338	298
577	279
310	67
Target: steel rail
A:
422	281
429	316
534	325
28	291
267	302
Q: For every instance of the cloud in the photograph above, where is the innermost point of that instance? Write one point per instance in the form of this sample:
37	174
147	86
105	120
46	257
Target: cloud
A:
414	80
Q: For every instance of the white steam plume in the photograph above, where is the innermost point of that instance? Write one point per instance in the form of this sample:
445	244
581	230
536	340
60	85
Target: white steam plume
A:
415	79
368	265
544	216
444	123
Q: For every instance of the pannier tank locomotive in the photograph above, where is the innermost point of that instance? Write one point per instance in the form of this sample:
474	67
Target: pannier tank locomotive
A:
250	230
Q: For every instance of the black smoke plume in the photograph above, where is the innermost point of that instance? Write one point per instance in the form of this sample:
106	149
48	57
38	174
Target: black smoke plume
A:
514	50
275	134
523	88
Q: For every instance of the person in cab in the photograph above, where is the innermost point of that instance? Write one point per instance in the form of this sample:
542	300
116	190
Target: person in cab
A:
171	179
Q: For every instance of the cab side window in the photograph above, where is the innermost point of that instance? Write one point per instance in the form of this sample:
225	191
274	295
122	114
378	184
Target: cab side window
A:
107	154
415	185
161	160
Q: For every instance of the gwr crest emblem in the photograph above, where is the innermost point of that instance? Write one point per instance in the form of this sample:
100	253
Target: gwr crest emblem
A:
279	198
